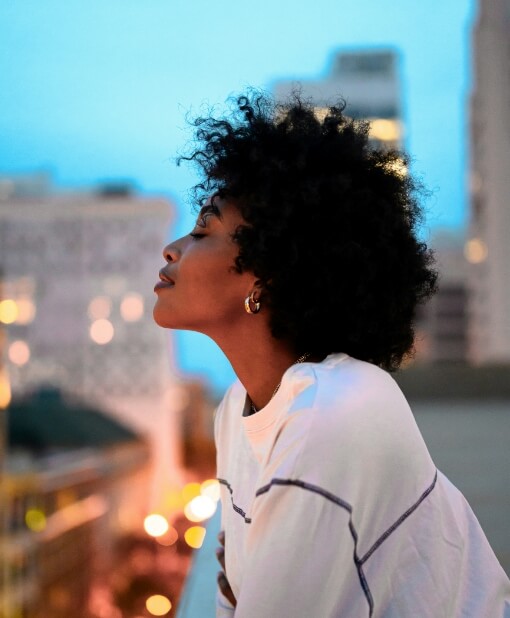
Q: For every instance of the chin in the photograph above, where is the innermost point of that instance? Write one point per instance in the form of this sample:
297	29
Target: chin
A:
159	317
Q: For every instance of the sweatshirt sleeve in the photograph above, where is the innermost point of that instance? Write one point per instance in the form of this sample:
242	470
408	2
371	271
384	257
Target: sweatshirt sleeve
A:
302	556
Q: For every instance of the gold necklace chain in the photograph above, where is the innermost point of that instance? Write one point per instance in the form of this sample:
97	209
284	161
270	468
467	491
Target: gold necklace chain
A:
301	359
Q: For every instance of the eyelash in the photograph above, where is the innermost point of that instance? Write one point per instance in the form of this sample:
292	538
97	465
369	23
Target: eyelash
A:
196	236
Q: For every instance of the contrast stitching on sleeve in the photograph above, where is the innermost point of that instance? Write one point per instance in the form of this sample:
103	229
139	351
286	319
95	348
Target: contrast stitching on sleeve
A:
236	508
399	521
341	503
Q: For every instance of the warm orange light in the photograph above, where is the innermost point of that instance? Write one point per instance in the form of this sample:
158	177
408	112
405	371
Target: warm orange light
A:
131	307
101	331
155	525
5	390
173	500
8	311
19	352
100	308
385	129
158	605
475	251
195	536
211	489
26	310
190	491
200	508
169	538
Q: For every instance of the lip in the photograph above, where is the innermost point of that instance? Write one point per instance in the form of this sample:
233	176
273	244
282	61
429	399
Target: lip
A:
160	285
165	281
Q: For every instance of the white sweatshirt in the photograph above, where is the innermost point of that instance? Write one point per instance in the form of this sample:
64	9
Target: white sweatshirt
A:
332	506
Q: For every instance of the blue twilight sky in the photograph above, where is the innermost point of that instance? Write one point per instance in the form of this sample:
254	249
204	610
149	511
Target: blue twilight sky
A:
99	89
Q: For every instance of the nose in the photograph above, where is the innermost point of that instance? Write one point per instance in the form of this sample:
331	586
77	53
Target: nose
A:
171	252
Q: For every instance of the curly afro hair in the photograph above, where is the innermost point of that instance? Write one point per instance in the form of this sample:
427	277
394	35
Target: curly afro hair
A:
331	225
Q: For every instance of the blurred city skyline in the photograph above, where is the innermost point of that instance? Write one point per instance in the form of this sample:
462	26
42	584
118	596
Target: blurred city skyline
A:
100	91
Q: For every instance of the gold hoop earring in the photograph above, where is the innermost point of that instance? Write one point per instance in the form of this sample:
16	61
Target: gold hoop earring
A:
251	305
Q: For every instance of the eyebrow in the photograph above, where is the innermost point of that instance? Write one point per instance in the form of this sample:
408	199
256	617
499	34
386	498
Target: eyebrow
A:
212	209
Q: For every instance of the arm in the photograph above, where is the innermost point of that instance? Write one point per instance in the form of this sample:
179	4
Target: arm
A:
300	556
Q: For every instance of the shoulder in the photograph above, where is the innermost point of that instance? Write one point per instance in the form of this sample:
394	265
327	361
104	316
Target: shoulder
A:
344	394
342	378
356	430
353	395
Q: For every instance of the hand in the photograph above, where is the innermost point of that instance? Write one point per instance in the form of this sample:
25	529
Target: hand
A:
225	588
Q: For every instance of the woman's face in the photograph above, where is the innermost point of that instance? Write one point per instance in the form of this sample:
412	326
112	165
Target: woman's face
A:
199	289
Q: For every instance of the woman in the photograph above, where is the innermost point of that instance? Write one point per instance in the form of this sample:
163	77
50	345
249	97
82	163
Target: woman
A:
304	266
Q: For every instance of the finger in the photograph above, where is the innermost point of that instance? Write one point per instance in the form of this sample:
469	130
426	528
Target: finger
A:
220	556
225	588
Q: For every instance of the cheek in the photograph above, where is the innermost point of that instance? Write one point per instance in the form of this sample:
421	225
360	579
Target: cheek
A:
208	273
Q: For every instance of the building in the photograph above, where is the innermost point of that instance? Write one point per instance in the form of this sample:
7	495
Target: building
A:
441	325
78	275
488	246
369	81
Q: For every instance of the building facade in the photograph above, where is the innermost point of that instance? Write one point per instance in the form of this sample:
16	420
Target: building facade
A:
78	271
369	82
441	324
488	246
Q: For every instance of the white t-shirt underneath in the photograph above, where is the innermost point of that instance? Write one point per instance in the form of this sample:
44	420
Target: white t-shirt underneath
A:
332	506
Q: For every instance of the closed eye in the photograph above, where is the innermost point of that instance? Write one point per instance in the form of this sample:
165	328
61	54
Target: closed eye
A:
196	235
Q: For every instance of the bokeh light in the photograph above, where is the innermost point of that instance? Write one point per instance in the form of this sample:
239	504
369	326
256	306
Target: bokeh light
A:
200	508
475	251
5	390
100	308
155	525
158	605
35	520
26	310
190	491
211	489
101	331
131	307
385	129
195	536
8	311
173	499
169	538
19	353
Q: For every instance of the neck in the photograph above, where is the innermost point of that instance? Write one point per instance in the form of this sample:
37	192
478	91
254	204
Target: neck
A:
258	360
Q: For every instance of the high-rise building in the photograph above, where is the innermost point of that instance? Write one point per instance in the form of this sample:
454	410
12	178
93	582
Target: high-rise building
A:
488	245
440	329
368	80
78	276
